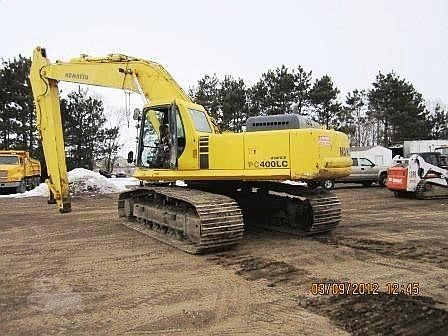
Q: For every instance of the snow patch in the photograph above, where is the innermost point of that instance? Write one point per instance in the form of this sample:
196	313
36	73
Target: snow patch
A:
122	183
41	191
294	183
84	181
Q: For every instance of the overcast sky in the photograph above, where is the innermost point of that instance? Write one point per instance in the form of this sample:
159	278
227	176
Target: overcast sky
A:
349	40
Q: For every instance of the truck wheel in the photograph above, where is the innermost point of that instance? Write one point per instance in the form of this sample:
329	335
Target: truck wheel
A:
382	180
22	187
367	183
312	184
328	184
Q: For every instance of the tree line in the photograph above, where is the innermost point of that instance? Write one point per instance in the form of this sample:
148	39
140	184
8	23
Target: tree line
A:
87	137
387	113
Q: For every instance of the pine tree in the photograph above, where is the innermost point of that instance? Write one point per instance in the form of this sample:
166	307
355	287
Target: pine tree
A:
439	122
399	109
323	97
17	115
116	119
358	126
206	93
276	92
257	99
302	87
83	120
233	104
110	147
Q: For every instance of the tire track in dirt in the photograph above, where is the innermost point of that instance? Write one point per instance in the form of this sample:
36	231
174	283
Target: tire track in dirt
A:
381	314
259	268
433	252
273	315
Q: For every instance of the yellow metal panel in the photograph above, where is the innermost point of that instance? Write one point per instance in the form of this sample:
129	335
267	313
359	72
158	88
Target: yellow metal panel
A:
189	159
226	151
304	154
208	174
267	150
319	154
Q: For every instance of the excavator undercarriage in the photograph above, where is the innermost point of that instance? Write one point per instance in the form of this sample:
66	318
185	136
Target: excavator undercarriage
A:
191	220
199	221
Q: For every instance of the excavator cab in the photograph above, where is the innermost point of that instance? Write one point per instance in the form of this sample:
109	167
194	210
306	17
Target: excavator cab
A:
168	131
161	138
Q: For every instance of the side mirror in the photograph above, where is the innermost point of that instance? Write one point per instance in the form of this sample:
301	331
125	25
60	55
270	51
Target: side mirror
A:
137	114
131	157
373	165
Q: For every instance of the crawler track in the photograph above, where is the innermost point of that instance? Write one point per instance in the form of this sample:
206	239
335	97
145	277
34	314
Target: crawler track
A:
428	190
291	209
198	221
282	207
192	220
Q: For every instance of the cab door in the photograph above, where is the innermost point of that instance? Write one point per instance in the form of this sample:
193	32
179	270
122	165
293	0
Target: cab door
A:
367	168
162	137
172	118
356	170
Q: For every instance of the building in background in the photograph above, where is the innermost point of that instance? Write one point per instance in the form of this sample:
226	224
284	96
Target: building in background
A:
379	155
422	146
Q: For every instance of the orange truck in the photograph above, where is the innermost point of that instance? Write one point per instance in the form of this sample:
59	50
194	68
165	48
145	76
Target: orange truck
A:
18	170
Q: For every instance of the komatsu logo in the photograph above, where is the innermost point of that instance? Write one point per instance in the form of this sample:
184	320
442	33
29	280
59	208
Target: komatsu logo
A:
77	76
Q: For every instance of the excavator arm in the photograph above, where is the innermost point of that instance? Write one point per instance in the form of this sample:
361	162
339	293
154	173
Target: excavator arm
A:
147	78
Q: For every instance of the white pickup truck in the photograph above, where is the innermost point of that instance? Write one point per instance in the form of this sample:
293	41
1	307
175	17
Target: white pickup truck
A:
364	171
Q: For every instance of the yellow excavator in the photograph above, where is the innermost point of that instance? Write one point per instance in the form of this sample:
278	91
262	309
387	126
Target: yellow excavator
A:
229	176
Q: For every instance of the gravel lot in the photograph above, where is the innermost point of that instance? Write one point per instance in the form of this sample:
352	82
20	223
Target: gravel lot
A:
85	273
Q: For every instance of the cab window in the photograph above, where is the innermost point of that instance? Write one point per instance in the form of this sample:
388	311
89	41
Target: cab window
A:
180	127
156	141
354	162
149	150
365	162
200	121
9	160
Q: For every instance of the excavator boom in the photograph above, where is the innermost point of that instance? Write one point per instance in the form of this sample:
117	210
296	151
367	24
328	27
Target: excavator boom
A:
147	78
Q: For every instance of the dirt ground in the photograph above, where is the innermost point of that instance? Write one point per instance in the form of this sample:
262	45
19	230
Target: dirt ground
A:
84	273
